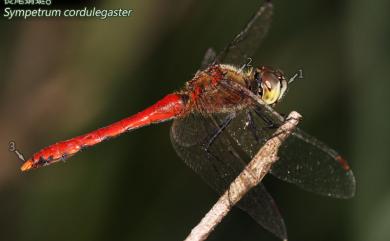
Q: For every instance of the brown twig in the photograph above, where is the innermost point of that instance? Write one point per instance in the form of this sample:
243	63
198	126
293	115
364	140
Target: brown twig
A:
248	178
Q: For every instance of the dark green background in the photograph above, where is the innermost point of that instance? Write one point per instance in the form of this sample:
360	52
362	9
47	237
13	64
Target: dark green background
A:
64	77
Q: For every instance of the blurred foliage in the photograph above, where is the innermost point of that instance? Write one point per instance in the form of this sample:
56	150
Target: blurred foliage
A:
63	77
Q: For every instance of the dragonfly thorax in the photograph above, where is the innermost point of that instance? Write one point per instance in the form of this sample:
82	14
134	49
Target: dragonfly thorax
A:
212	90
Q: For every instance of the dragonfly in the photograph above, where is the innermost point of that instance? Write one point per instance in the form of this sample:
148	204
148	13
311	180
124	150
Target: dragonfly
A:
221	118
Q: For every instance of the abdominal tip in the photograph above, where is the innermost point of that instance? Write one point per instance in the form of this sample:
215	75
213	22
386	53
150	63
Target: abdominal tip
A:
27	165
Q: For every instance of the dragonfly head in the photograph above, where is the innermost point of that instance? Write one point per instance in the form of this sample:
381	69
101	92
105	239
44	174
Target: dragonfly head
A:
271	85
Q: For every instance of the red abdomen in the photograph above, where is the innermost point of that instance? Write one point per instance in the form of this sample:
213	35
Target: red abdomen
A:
167	108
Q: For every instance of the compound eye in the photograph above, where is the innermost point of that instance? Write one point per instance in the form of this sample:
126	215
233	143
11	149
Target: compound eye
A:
271	88
268	84
279	74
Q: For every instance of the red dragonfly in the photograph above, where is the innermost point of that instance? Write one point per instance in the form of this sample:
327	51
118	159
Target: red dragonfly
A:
222	116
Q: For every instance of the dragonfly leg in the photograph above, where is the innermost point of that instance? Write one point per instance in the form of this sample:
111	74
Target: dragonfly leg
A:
269	123
225	123
252	126
284	115
220	167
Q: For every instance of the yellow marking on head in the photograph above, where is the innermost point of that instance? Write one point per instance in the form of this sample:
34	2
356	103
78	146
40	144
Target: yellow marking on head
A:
271	95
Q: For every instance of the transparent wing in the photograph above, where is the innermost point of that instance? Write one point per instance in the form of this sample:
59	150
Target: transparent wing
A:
304	160
208	58
221	163
245	44
314	166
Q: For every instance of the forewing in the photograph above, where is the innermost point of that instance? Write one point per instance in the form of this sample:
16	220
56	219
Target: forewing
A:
221	163
304	160
312	165
208	58
245	44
